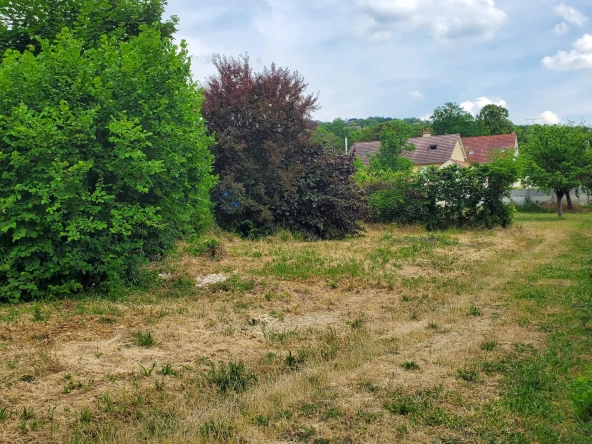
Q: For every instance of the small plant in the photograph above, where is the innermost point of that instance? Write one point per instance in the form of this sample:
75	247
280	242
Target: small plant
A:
293	362
369	387
401	405
231	377
5	413
488	346
433	326
410	365
262	420
38	315
468	375
146	372
28	414
475	311
206	246
167	370
217	431
85	416
356	324
143	339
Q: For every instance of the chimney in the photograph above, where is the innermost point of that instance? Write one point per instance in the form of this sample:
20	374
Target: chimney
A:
427	133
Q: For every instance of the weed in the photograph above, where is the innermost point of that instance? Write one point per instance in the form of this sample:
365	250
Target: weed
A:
285	414
294	362
85	416
278	316
217	431
5	413
468	375
401	405
433	326
410	365
488	346
143	339
38	315
206	246
106	401
28	413
146	372
282	337
167	370
262	420
231	377
368	386
475	311
356	324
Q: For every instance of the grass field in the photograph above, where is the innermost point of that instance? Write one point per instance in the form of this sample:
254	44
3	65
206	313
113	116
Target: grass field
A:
399	335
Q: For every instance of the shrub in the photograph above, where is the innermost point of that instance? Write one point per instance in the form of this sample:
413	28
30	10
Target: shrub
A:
104	162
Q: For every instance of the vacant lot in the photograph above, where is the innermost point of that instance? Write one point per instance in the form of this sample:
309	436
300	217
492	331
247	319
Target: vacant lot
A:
397	336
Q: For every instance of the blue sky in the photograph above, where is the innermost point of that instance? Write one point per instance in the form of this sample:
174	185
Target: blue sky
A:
403	58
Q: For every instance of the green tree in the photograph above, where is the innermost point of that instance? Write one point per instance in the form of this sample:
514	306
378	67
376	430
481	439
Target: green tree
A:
22	21
452	119
104	158
494	120
393	141
557	158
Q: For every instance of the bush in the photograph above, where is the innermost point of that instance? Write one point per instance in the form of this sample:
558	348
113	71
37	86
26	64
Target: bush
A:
441	198
104	162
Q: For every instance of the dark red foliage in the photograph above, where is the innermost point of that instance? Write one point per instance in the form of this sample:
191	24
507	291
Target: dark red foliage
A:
263	155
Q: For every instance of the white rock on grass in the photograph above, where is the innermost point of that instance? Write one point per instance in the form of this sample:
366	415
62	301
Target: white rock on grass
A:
204	281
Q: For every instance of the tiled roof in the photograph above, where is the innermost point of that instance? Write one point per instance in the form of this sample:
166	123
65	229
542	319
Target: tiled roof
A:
363	150
426	154
480	149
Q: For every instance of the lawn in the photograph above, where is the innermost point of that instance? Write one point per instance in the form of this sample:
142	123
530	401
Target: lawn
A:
399	335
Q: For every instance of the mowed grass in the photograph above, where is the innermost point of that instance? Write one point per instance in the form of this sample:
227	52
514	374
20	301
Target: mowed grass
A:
399	335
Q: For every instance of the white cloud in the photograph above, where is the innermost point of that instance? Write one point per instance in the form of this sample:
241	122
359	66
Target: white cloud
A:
475	106
578	58
549	117
416	95
442	20
426	118
570	17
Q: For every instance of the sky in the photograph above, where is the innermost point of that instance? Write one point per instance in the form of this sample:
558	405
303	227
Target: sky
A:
404	58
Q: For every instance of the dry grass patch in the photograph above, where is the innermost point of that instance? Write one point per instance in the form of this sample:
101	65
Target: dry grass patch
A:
303	342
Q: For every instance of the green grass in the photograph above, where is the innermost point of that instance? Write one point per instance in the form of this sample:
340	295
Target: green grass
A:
143	339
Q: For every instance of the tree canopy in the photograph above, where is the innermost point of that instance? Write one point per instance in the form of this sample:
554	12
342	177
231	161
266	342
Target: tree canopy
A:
266	161
452	119
556	158
23	21
494	120
393	141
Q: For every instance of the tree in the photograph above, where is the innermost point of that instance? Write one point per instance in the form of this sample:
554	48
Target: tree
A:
393	141
265	159
105	162
556	157
452	119
22	21
494	120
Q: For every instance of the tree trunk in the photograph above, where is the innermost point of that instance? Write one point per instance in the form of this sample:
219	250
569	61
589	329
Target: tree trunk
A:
568	197
559	194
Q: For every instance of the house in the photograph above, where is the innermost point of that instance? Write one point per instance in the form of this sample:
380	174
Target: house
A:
481	149
438	151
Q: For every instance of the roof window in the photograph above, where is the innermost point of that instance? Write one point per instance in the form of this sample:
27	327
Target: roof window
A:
433	147
366	153
471	153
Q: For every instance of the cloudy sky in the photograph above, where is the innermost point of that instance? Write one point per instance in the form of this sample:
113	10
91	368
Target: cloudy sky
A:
403	58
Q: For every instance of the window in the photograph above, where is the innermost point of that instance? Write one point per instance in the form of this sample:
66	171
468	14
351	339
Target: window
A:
471	153
433	147
366	153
